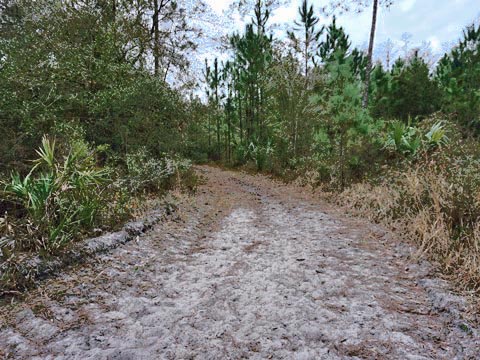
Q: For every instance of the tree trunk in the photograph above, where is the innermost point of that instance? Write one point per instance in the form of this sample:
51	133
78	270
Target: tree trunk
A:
307	44
209	118
370	55
218	121
240	115
342	160
156	39
229	131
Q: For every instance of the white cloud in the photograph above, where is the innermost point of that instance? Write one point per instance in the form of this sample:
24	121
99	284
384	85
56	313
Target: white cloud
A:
436	21
435	43
219	5
285	14
407	5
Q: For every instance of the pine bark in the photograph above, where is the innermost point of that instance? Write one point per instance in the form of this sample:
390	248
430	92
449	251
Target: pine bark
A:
370	55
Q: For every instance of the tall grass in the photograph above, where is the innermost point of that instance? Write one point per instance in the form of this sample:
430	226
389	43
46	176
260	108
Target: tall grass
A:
434	203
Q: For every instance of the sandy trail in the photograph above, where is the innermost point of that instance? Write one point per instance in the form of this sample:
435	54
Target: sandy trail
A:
253	269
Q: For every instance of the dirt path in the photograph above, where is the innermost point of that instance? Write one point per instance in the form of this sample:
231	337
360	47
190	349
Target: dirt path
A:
252	269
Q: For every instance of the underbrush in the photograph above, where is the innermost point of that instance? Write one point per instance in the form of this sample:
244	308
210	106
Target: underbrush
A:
420	179
140	173
67	196
55	200
432	199
436	208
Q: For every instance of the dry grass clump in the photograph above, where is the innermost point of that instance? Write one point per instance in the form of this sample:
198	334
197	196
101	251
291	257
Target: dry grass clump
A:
434	204
423	182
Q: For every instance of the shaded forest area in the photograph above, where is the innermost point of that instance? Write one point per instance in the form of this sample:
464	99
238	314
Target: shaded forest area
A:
86	89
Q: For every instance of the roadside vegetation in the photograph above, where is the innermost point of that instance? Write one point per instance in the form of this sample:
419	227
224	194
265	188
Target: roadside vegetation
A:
99	113
90	133
408	159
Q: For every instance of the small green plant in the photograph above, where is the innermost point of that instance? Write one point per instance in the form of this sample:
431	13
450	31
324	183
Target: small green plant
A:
407	139
403	138
59	198
261	154
436	136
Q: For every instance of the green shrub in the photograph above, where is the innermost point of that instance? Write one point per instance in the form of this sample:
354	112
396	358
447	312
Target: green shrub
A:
262	155
408	140
437	135
58	197
146	174
432	200
403	138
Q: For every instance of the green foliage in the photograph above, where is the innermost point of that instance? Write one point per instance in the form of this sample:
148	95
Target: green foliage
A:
261	154
90	72
63	197
290	112
345	122
408	140
458	76
437	135
308	109
403	138
407	91
336	43
60	196
147	174
432	202
309	35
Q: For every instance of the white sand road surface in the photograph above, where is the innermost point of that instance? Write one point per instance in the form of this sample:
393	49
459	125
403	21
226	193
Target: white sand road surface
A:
251	270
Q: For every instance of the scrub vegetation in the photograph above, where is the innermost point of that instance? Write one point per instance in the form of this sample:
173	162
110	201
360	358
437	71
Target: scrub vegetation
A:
99	111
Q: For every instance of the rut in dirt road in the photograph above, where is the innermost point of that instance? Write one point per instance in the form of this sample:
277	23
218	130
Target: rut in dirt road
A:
253	270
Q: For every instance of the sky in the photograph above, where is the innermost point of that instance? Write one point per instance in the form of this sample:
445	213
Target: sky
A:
436	21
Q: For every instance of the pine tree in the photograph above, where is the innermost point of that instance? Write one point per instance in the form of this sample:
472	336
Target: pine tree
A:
252	55
336	43
207	74
358	6
458	75
412	92
307	25
340	105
